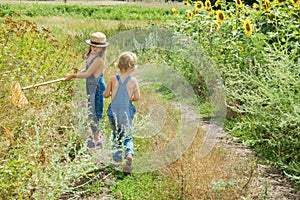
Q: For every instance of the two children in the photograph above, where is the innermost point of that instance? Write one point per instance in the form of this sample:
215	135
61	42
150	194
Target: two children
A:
122	88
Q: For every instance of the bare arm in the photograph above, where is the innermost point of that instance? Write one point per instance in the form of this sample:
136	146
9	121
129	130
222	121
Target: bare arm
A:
136	92
107	92
87	73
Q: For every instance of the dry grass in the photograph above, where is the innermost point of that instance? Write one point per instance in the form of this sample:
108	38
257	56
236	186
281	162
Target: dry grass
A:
61	26
223	174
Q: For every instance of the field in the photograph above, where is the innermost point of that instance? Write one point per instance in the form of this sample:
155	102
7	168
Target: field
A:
213	126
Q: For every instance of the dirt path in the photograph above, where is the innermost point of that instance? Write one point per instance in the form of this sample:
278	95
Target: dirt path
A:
272	181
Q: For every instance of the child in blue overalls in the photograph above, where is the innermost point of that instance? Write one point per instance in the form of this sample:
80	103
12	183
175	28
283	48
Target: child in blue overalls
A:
123	89
95	85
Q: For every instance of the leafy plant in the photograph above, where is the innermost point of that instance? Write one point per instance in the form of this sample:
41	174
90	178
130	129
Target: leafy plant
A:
255	49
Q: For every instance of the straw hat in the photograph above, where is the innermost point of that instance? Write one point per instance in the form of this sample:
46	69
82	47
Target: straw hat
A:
98	39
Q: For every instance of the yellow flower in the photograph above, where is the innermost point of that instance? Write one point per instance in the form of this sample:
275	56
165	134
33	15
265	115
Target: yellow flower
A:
239	3
248	27
215	25
240	48
210	14
208	4
217	3
267	5
175	12
186	2
190	15
220	16
199	5
295	3
230	16
256	8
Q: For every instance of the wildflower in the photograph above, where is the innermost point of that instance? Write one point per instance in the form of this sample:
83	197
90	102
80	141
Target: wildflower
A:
217	3
220	16
295	3
190	15
248	27
199	5
215	25
207	4
175	12
186	2
256	8
267	5
230	16
240	48
239	3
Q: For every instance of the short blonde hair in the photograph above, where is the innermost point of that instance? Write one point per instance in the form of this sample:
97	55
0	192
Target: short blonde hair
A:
127	60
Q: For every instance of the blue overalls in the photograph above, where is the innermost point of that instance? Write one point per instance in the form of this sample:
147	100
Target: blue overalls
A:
121	113
95	88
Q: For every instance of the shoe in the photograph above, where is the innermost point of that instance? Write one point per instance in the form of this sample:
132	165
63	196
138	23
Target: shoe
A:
99	144
90	144
128	167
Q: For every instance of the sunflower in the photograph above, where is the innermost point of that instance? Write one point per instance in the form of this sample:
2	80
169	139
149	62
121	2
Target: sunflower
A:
295	3
267	5
186	2
217	3
215	25
199	5
190	15
239	3
248	27
175	12
256	8
207	4
220	16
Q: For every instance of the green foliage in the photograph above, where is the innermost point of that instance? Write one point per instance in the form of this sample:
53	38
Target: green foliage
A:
144	186
44	155
256	51
88	12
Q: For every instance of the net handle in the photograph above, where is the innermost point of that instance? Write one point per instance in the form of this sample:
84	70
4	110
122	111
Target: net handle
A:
44	83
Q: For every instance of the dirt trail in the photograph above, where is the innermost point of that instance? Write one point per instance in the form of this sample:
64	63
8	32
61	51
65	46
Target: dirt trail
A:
276	186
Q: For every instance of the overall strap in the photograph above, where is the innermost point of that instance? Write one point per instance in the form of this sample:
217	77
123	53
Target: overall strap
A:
120	81
93	60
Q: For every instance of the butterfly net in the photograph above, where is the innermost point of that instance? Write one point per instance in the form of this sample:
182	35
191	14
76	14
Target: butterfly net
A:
17	96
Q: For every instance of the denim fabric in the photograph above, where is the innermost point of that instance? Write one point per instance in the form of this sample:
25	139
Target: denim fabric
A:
121	113
121	136
96	105
95	88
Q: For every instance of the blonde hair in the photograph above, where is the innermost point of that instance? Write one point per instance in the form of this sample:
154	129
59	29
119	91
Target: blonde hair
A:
127	60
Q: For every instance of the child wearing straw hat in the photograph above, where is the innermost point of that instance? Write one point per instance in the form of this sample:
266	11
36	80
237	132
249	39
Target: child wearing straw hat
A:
95	85
123	89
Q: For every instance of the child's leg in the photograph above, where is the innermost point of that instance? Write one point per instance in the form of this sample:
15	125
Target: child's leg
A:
128	143
95	115
116	140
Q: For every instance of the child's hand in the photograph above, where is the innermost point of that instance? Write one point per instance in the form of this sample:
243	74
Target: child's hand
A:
69	77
